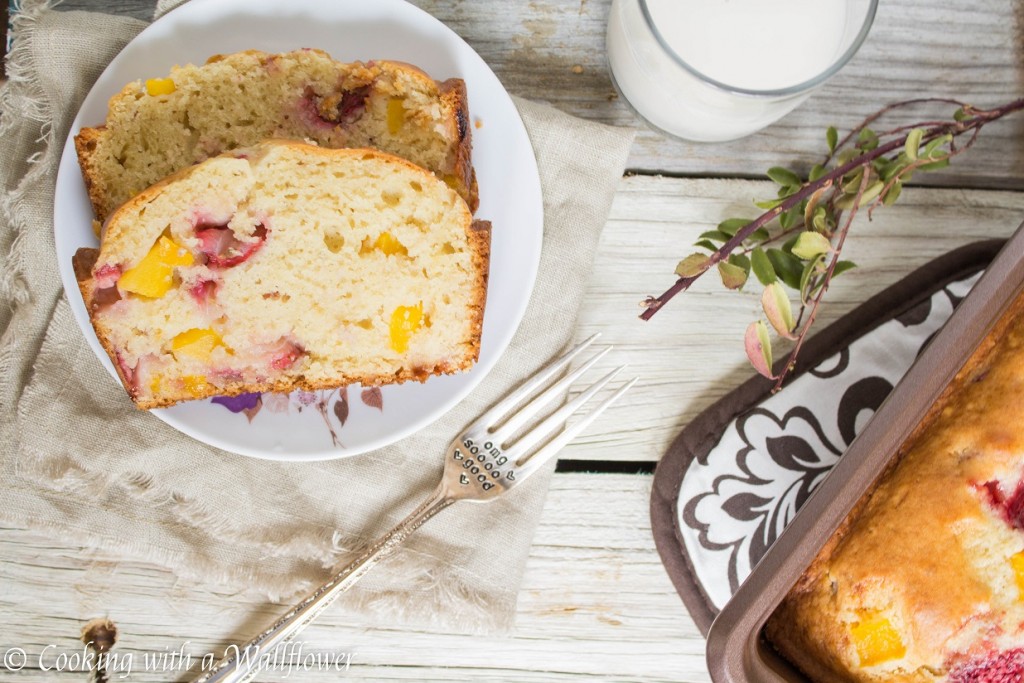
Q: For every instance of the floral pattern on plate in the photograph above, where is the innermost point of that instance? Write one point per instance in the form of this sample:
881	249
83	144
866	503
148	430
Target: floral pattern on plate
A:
327	403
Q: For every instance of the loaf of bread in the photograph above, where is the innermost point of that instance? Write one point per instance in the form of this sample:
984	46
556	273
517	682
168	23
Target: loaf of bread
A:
925	579
162	125
287	266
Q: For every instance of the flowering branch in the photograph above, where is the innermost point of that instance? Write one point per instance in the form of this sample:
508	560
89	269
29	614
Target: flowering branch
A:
868	168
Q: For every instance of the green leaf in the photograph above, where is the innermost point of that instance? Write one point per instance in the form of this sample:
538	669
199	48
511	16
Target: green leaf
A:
816	172
778	310
913	143
895	168
959	114
933	146
730	226
762	266
786	266
783	176
715	236
851	181
788	191
808	291
867	140
893	194
733	276
767	204
813	267
842	267
846	156
692	265
820	220
706	244
871	191
787	219
810	244
759	235
784	220
758	345
741	261
832	137
935	165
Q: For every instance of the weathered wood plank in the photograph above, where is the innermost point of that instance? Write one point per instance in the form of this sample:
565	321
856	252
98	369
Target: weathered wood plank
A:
553	50
691	352
595	605
911	52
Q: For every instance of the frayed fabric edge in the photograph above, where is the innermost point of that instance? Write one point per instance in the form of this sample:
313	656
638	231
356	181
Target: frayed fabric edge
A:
474	612
22	103
447	592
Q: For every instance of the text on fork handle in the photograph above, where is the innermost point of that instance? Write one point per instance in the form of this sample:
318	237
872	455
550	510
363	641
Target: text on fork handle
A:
481	462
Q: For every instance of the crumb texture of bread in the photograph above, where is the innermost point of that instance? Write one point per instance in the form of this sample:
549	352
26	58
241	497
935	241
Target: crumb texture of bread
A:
159	126
925	580
288	266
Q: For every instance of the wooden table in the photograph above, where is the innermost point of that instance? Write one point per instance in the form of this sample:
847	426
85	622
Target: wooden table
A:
596	603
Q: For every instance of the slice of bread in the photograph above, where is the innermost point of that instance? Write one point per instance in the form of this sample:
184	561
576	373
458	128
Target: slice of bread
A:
287	266
160	126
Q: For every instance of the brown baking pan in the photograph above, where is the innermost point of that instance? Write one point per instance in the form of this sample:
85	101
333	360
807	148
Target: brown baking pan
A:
737	651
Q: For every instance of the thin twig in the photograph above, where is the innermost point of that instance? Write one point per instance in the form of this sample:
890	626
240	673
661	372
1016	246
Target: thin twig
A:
826	280
885	110
977	119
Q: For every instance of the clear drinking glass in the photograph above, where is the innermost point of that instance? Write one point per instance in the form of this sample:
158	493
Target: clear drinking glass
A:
715	70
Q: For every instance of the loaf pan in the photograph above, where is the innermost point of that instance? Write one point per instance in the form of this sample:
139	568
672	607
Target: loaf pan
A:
737	651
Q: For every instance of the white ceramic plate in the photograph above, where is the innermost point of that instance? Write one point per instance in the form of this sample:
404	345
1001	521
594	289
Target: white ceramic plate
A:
310	426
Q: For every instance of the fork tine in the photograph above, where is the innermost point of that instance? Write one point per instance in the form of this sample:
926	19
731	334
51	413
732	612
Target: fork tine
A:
559	442
487	420
556	419
523	415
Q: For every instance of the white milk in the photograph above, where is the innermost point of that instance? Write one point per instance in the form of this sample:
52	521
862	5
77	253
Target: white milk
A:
744	45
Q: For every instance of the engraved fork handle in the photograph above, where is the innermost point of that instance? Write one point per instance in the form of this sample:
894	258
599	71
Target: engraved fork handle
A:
242	664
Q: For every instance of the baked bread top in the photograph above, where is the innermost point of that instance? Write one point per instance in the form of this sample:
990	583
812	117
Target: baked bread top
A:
162	125
287	266
925	580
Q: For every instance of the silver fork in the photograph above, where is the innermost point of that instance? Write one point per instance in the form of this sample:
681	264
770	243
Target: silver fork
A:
480	464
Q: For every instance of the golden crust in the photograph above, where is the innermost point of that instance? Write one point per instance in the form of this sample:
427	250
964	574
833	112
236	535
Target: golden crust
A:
480	242
85	146
451	94
453	91
904	532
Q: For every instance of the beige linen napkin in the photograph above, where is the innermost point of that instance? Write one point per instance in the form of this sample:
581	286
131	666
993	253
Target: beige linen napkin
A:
79	461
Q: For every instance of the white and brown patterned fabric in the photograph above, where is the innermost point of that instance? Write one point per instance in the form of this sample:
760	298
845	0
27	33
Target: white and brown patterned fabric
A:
736	476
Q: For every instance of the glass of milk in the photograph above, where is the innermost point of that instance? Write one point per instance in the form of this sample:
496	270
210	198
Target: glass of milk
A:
715	70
